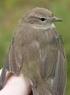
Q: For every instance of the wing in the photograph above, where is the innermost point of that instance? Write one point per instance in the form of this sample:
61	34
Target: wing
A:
59	83
53	67
13	61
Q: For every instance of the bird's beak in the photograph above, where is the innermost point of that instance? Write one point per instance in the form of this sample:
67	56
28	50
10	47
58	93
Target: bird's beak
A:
56	19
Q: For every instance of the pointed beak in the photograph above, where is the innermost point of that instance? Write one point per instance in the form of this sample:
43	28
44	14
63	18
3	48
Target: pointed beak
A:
56	19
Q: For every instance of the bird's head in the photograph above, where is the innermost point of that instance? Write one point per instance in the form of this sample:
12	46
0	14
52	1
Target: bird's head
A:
41	17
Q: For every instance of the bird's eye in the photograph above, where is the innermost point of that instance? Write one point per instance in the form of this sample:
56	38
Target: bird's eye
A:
42	19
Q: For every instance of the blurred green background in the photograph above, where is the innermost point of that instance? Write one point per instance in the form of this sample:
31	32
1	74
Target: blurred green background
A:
11	11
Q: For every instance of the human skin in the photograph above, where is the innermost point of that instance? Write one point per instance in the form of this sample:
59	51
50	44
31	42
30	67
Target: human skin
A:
16	85
37	51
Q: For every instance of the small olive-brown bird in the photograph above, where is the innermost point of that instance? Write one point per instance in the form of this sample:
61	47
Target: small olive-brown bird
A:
37	51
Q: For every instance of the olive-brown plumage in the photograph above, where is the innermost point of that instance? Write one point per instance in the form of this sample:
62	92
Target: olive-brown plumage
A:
37	51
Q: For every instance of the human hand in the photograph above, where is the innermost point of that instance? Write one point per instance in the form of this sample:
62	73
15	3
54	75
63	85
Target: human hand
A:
16	85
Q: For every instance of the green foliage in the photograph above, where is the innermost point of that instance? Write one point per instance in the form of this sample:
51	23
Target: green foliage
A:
12	10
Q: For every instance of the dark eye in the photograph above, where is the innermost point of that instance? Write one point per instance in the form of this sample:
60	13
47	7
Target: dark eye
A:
42	19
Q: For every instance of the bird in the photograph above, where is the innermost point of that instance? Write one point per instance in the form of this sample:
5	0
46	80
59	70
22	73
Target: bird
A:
37	51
